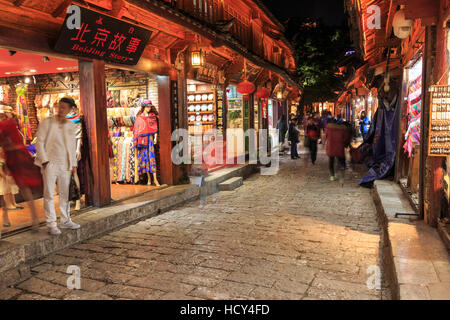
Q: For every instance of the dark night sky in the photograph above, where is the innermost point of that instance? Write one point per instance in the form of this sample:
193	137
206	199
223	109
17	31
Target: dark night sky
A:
331	11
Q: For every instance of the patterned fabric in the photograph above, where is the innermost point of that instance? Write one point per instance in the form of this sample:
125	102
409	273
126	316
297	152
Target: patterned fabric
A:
123	166
115	156
146	159
132	162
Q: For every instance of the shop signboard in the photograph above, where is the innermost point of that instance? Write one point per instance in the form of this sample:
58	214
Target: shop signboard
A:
174	103
94	35
439	135
219	111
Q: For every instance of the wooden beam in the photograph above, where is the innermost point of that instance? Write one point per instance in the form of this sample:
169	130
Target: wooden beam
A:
18	3
199	27
165	130
93	106
61	8
117	7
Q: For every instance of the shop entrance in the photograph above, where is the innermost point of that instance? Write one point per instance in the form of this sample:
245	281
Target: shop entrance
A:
31	85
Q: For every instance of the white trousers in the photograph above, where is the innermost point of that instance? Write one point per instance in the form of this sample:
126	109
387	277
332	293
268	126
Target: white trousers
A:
52	175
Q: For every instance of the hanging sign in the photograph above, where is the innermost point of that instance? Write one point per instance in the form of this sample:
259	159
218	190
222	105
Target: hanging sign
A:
219	111
94	35
439	134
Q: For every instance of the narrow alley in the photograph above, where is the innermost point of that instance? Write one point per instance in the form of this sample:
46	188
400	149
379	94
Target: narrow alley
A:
294	235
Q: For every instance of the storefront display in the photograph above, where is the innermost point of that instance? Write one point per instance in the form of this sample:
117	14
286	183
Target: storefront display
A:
201	106
414	95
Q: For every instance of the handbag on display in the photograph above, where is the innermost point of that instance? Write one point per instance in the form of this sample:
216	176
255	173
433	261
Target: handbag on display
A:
74	192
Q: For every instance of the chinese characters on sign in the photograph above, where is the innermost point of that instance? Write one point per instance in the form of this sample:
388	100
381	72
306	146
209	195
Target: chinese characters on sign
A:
219	110
103	37
439	143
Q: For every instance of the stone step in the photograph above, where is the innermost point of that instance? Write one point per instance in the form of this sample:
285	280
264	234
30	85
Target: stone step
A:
231	184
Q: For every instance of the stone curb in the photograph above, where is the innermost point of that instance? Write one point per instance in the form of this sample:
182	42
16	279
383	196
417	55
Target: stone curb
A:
387	255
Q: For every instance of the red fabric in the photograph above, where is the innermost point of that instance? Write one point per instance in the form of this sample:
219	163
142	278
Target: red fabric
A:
18	160
313	132
338	138
144	126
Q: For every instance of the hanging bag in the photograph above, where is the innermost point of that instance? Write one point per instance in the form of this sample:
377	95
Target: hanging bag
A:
74	192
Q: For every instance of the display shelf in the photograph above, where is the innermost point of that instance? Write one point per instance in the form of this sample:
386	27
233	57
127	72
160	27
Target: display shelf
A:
202	123
201	112
201	102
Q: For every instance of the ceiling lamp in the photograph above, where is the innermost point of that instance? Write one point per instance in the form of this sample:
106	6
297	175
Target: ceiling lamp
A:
402	26
27	80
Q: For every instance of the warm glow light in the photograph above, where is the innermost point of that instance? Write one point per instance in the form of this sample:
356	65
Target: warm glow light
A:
27	80
33	70
279	95
196	58
59	68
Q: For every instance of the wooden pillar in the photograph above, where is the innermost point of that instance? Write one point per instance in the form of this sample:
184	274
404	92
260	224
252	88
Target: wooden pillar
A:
93	103
431	170
165	130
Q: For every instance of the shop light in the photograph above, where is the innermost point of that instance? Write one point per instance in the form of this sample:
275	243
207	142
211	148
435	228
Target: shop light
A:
59	68
7	72
197	58
279	95
27	80
33	70
370	99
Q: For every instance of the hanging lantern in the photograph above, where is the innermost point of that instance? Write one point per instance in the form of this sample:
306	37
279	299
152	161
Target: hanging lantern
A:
197	58
402	26
263	93
246	87
280	95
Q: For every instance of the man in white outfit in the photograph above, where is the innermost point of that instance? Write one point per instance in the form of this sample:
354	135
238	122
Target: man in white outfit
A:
56	155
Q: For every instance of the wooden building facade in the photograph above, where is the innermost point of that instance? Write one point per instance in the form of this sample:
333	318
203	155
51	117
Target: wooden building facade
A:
418	60
237	40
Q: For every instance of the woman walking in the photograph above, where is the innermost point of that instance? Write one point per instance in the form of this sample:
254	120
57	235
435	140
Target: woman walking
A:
337	139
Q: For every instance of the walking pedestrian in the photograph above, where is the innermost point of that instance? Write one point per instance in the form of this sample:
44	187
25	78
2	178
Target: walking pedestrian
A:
56	155
364	123
337	139
312	134
17	163
293	138
282	127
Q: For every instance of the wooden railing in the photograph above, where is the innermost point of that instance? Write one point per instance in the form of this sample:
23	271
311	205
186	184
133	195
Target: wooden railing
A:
215	12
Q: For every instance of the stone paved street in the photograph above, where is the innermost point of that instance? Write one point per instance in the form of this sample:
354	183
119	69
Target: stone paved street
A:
295	235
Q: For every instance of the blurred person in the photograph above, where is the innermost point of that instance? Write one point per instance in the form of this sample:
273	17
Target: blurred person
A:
364	123
337	139
282	127
312	132
293	138
56	148
19	164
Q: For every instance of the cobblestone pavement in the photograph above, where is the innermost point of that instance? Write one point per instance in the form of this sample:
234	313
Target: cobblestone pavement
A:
295	235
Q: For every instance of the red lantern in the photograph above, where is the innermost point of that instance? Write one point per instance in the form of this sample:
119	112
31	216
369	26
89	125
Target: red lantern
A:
263	93
246	87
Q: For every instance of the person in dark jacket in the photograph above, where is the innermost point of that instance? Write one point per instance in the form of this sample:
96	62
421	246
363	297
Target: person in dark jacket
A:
313	134
338	138
282	127
293	138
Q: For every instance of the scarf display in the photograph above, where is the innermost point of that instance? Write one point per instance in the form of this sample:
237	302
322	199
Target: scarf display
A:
412	136
144	126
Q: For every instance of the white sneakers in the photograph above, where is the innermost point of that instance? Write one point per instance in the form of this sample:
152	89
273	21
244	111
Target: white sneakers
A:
70	225
54	231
